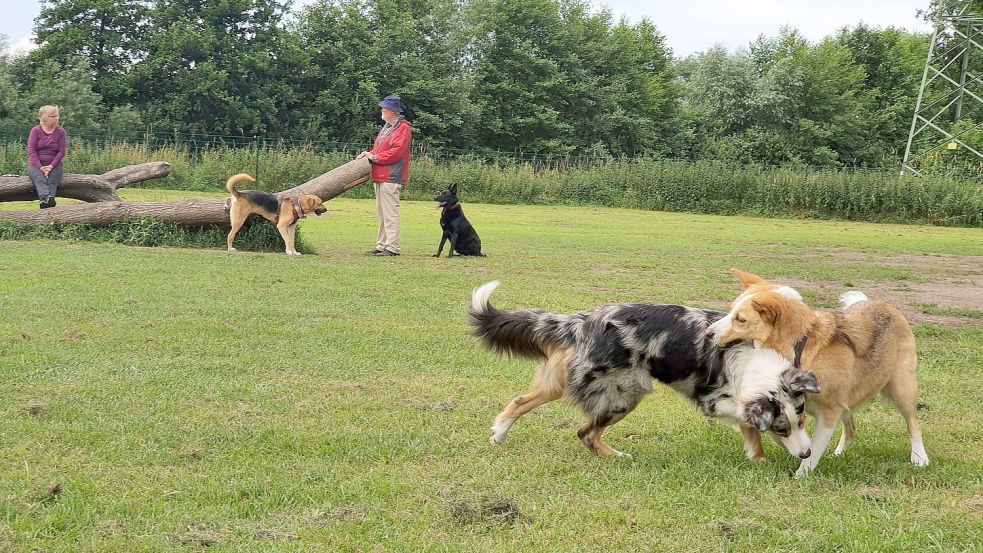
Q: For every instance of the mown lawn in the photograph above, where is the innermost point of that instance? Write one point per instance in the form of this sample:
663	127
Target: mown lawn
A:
171	399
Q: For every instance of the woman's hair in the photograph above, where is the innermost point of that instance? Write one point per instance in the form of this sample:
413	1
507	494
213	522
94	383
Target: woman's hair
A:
43	110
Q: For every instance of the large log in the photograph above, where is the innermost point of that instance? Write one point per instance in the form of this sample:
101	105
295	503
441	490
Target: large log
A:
88	188
197	213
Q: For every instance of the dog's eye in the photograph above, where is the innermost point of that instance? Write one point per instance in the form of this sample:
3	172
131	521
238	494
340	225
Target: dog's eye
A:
740	319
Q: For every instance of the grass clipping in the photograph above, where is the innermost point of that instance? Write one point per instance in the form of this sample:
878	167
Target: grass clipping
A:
256	235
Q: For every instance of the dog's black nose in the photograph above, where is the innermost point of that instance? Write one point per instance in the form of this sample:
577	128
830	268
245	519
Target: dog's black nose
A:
805	455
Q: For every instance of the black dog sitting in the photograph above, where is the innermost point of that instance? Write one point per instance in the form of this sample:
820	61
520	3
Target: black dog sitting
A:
456	227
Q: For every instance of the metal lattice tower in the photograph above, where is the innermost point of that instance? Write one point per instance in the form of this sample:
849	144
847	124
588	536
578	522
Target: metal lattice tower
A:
952	84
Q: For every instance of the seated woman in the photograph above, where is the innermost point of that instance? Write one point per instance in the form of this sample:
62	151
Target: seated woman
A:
46	147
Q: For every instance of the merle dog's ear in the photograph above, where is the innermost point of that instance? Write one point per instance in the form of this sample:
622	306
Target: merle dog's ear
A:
803	382
760	414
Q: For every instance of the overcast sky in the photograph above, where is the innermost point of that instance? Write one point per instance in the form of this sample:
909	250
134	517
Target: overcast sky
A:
688	25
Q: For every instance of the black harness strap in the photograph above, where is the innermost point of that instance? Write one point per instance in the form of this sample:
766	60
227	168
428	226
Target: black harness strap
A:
298	210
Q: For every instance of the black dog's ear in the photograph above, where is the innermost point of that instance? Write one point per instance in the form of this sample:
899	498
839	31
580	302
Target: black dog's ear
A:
454	188
803	382
760	414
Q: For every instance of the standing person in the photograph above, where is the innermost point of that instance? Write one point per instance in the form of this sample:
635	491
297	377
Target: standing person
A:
390	159
46	147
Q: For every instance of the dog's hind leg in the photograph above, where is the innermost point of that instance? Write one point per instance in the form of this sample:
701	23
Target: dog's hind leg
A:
902	390
453	240
548	385
590	434
518	407
846	438
237	223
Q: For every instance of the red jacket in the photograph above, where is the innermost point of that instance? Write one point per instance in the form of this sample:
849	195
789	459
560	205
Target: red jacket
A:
391	153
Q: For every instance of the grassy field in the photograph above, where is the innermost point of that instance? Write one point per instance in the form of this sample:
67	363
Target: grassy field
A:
170	399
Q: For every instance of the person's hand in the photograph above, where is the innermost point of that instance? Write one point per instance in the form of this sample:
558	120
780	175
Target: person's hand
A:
364	154
46	169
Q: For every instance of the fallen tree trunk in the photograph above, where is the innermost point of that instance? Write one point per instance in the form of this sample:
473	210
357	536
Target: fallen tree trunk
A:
88	188
197	213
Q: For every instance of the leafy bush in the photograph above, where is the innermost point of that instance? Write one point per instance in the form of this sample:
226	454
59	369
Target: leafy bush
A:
255	235
669	185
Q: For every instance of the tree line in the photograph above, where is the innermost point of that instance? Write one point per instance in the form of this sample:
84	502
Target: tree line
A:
551	77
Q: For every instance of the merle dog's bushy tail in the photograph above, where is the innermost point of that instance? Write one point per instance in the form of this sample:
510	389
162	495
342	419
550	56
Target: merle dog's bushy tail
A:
525	332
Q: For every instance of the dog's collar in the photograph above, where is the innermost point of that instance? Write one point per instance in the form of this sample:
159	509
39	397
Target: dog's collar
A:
455	206
799	346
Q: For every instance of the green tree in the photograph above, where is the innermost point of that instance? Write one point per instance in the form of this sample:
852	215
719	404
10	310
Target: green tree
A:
104	32
359	51
892	61
10	97
217	67
519	85
622	94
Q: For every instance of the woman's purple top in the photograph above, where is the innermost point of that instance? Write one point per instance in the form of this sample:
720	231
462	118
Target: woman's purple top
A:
46	149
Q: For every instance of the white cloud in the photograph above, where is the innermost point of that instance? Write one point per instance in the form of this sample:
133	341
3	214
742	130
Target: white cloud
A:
696	25
21	47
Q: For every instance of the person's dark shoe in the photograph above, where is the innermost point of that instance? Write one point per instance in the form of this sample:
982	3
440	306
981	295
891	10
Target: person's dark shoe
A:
374	252
45	202
385	253
51	201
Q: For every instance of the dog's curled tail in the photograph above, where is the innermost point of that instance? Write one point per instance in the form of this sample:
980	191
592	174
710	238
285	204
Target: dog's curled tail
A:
236	179
852	297
525	332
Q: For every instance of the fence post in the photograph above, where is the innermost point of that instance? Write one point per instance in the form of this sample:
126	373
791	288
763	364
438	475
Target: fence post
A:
256	145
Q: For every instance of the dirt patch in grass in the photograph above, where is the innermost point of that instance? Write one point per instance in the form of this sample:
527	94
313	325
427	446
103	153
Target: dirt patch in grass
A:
35	408
948	291
488	510
198	535
50	494
73	335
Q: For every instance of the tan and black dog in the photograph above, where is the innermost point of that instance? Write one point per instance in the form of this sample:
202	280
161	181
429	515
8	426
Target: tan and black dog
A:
284	211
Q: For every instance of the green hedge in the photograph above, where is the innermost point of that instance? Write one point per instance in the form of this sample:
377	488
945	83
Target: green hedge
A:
701	186
255	235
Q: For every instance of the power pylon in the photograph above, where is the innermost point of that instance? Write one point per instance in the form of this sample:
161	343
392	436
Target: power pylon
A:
949	88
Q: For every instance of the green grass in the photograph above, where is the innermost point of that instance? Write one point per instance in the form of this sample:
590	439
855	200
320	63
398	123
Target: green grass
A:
933	309
157	399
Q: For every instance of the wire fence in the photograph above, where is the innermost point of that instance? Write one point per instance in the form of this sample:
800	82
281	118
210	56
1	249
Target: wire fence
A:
196	144
204	163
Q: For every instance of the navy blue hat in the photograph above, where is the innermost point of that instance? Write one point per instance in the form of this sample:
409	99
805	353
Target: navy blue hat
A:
391	102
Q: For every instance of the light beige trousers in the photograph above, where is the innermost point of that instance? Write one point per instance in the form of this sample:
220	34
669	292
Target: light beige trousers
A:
387	209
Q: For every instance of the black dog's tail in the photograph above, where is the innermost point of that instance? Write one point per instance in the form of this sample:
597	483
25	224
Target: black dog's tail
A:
526	332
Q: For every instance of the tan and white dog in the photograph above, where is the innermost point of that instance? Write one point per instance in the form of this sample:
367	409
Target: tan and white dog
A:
864	348
285	212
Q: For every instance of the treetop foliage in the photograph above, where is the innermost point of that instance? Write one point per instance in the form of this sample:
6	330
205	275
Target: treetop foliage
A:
550	77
